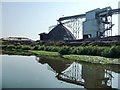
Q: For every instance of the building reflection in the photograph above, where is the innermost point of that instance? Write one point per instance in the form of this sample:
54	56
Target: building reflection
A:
87	75
96	77
54	65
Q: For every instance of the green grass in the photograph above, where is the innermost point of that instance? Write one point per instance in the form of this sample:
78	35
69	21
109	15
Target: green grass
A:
73	57
92	59
78	53
104	51
16	52
45	53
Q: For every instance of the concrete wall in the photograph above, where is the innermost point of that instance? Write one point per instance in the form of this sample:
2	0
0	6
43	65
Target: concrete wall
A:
119	19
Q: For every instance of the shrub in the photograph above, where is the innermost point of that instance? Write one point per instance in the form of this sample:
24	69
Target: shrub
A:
95	50
36	47
114	52
41	47
55	48
3	46
10	47
18	47
79	50
64	50
105	52
73	50
26	47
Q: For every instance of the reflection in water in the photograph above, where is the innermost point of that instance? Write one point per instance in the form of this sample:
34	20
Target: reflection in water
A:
87	75
72	74
55	65
95	77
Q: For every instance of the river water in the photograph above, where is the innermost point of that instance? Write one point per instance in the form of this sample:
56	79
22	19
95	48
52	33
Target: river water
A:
37	72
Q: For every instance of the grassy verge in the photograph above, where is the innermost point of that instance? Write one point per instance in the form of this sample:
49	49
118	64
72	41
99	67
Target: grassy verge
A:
92	59
78	53
17	52
45	53
104	51
79	58
57	55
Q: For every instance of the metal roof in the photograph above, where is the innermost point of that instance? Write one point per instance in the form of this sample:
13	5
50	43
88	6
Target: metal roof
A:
60	32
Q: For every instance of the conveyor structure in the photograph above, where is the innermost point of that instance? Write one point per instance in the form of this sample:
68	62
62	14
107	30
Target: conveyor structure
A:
92	24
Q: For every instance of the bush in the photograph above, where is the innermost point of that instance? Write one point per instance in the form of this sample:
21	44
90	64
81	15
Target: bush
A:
94	50
26	47
10	47
36	47
3	46
73	50
41	47
64	50
18	47
54	48
114	52
105	51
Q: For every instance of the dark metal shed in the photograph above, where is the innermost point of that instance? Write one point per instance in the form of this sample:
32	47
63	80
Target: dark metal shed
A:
60	32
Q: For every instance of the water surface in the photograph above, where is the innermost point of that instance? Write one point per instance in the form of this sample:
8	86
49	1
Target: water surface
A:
36	72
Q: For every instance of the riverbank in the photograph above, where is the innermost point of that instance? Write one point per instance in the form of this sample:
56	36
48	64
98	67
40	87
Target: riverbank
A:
103	51
92	59
72	57
79	58
92	54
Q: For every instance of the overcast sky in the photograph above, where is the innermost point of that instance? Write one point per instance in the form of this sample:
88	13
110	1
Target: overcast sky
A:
28	19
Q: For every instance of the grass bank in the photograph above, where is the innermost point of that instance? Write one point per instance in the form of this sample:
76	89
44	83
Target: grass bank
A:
104	51
78	58
92	59
92	54
45	53
72	57
17	52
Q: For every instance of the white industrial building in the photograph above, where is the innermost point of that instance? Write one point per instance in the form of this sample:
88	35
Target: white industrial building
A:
97	23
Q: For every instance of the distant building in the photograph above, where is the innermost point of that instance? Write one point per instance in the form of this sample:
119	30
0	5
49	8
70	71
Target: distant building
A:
58	33
119	19
43	36
17	40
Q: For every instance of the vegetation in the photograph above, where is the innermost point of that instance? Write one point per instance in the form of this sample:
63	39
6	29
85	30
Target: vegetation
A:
46	53
17	52
104	51
92	59
79	53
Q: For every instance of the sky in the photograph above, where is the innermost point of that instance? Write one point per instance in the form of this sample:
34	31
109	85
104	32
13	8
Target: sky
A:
28	18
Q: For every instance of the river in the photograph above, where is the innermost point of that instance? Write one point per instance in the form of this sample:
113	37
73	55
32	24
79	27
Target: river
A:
37	72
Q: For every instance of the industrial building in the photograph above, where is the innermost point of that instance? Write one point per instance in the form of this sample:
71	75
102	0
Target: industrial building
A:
14	40
95	23
58	33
